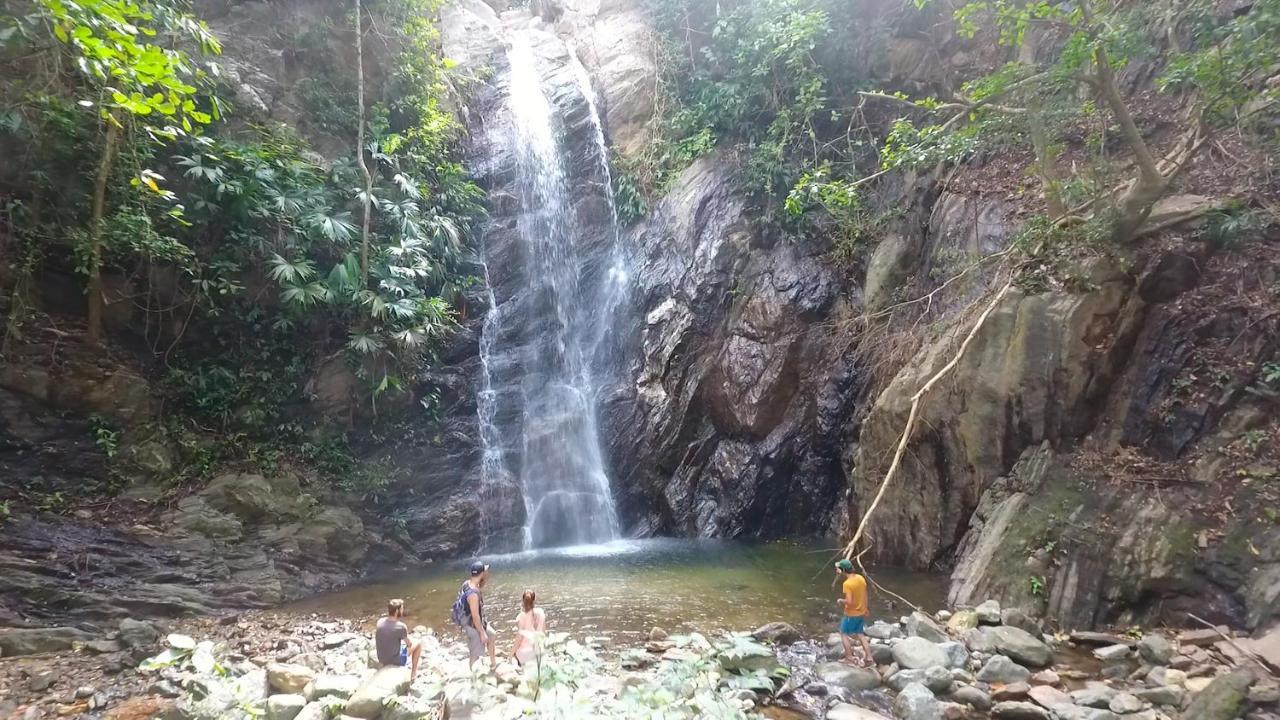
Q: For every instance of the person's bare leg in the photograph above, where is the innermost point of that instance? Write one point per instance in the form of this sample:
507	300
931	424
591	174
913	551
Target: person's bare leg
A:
493	655
415	654
868	660
847	642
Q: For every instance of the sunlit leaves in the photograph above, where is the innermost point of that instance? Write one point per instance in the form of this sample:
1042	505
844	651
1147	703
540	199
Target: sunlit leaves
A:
291	272
334	227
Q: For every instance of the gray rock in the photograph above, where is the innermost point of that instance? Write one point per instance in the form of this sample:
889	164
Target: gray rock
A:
385	683
1155	649
957	655
962	621
288	678
1020	645
1124	704
916	652
33	641
916	702
979	640
40	682
417	708
1016	617
988	613
936	678
85	691
103	647
971	696
1000	669
285	707
336	686
1015	710
963	676
1094	694
1077	712
1223	699
137	633
882	654
1264	693
1048	697
1087	637
1165	695
313	711
845	711
921	625
778	633
882	630
750	657
848	677
1112	653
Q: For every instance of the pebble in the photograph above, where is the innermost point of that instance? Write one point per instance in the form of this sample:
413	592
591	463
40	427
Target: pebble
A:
85	691
40	683
1046	677
1012	691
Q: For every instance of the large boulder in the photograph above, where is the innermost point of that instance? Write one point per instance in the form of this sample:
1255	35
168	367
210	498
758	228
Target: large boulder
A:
848	677
1223	699
916	702
33	641
288	678
778	633
385	683
1020	645
916	652
1155	649
921	625
340	687
285	707
1000	669
937	678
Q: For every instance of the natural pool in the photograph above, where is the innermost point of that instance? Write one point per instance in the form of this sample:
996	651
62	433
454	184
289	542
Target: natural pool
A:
622	589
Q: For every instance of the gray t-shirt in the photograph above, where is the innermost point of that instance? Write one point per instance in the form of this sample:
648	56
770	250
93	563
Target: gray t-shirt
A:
388	637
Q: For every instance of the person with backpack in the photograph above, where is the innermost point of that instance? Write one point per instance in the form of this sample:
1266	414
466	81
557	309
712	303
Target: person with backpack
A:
391	638
468	614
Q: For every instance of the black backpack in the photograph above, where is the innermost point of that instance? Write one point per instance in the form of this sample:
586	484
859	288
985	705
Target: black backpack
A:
461	608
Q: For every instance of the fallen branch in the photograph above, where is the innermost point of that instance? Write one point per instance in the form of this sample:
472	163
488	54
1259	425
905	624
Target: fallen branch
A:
1231	641
913	417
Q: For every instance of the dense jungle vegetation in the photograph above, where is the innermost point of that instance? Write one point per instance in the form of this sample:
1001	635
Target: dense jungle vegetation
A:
797	89
132	166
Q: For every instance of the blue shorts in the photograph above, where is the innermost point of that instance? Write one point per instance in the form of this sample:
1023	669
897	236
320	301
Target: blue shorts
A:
853	625
404	656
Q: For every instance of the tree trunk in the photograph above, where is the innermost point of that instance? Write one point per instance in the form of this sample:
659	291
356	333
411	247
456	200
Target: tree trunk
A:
94	266
364	168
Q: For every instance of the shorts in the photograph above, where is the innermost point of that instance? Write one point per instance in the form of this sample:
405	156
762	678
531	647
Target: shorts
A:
853	625
404	656
476	648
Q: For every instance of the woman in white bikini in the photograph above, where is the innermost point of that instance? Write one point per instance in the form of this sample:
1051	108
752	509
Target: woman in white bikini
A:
531	624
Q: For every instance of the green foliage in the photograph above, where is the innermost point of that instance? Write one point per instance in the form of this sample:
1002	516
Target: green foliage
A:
1036	585
104	436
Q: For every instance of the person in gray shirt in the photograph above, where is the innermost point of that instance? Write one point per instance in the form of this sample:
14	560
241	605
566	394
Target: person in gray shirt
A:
391	638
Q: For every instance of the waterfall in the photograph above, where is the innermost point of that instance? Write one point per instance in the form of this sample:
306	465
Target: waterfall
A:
553	334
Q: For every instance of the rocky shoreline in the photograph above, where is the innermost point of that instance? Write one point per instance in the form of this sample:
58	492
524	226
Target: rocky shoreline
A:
980	662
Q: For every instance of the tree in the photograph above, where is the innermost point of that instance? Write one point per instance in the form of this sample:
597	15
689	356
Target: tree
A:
129	75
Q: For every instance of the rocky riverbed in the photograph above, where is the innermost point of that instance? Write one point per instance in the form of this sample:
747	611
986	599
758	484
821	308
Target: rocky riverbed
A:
981	662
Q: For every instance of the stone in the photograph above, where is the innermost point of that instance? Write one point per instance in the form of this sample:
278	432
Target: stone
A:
943	615
1201	638
137	633
103	647
313	711
85	691
1264	692
416	708
848	677
1020	646
957	655
881	630
1223	698
1084	637
1047	697
1155	649
1159	676
963	620
1094	694
1198	684
336	686
40	682
1114	671
971	696
916	652
657	634
1076	712
1167	696
979	640
1019	711
1125	703
778	633
285	707
336	640
1011	691
882	654
1016	617
988	613
1000	669
1180	662
1045	677
1112	653
34	641
369	697
920	625
750	657
288	678
916	702
845	711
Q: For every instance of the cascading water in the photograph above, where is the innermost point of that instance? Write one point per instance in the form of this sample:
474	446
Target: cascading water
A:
553	337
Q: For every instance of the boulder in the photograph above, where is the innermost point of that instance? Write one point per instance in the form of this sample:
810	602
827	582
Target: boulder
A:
1160	676
971	696
1048	697
1019	711
137	633
1124	704
33	641
882	654
778	633
963	620
1223	698
1112	653
334	686
1077	712
882	630
916	652
1020	645
385	683
747	656
1166	696
313	711
1094	695
1085	637
988	613
921	625
1155	649
916	702
415	708
957	655
1000	669
285	707
657	634
1011	691
936	678
845	711
848	677
979	640
288	678
1018	618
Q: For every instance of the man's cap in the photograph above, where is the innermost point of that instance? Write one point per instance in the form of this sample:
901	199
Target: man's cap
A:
478	567
843	565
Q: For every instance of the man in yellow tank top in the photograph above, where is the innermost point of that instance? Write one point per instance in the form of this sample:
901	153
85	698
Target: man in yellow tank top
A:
853	624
